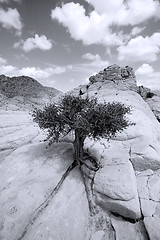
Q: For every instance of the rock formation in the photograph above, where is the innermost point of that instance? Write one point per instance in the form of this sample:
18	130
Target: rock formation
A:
126	189
124	76
24	93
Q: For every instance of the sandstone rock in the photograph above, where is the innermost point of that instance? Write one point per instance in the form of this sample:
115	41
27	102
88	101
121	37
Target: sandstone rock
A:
129	209
116	182
28	176
154	187
124	77
99	235
148	207
152	227
128	231
154	104
142	184
149	193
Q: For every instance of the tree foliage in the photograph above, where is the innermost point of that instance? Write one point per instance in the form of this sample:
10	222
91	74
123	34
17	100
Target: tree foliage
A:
82	116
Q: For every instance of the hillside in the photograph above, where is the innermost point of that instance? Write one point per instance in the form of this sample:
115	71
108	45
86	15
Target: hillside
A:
24	92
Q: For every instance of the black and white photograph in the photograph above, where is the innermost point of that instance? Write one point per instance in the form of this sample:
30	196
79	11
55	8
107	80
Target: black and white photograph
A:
79	119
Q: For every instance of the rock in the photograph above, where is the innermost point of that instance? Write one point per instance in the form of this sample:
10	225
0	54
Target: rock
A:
149	194
21	93
127	72
115	75
17	129
142	184
127	230
117	182
99	235
154	187
154	104
28	176
148	207
129	209
152	227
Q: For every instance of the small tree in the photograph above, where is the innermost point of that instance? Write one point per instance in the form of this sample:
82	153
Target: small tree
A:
83	117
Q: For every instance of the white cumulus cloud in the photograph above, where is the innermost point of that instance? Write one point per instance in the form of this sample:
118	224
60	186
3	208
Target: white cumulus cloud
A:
144	69
38	42
95	60
131	12
95	28
141	49
34	72
10	19
147	77
90	29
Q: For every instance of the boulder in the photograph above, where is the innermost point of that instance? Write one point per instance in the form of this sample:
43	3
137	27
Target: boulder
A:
28	175
152	227
127	230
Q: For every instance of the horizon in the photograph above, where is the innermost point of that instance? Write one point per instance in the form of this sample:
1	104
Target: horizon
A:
62	43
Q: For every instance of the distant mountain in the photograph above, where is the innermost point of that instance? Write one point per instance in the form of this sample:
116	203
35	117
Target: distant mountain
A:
24	92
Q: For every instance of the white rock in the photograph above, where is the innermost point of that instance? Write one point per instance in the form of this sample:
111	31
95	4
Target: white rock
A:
28	176
128	231
116	182
154	187
152	227
129	209
148	207
142	184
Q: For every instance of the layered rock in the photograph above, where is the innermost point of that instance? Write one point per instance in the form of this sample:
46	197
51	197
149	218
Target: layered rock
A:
126	188
28	176
123	77
128	182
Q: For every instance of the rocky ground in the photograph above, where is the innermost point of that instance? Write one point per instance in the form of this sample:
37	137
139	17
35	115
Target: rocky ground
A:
126	189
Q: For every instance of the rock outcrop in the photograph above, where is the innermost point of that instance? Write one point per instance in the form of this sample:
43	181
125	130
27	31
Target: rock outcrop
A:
20	93
126	188
114	75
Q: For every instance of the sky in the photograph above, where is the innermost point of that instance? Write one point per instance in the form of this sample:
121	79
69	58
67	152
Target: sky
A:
62	43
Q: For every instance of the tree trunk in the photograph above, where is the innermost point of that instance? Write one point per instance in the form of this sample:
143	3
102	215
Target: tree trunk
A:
78	145
79	153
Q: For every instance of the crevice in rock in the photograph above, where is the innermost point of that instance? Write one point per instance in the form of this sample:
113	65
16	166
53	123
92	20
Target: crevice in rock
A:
146	232
131	220
46	202
88	180
114	231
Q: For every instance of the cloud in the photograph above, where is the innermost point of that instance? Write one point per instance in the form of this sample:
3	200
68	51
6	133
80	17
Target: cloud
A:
10	19
2	61
34	72
131	12
96	60
7	1
95	28
90	29
144	69
38	42
92	57
136	30
147	77
141	49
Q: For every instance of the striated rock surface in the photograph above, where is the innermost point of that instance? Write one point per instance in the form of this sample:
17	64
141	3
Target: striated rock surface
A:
126	188
28	175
